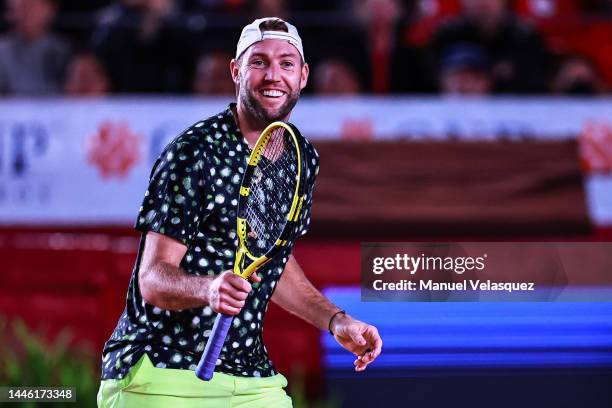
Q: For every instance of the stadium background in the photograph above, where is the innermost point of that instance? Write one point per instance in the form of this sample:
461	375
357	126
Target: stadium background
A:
498	133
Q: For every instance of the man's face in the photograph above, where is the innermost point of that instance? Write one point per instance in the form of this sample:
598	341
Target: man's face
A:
269	76
465	81
211	75
30	18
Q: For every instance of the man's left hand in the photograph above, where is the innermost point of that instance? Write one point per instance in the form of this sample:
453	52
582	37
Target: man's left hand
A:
359	338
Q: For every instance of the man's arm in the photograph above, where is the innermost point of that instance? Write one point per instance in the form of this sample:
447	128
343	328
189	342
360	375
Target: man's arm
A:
298	296
164	284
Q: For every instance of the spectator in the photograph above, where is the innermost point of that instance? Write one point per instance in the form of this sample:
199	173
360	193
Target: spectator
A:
518	56
145	47
212	75
330	27
465	71
86	77
379	19
335	77
392	63
32	58
76	19
577	76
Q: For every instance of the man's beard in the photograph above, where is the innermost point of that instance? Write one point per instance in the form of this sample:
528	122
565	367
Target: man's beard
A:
260	114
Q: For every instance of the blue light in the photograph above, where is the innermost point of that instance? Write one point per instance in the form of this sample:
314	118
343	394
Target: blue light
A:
479	335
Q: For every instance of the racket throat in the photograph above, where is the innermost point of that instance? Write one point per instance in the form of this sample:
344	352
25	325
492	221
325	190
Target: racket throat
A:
254	267
245	273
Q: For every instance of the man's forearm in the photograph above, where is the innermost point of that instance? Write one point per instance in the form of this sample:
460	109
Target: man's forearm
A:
298	296
169	287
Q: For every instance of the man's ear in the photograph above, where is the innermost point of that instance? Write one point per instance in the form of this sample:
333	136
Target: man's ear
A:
235	71
304	77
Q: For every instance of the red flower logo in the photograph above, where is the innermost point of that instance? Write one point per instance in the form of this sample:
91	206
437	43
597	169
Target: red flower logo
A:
114	149
357	129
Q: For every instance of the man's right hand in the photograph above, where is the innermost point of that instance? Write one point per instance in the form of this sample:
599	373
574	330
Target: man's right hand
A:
227	293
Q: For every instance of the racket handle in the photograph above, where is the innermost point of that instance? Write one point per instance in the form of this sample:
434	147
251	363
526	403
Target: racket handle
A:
206	366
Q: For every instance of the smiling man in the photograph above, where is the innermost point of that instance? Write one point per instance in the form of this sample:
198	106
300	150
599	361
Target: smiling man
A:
183	277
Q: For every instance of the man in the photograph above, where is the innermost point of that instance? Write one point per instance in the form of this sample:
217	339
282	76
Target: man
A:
519	59
183	269
86	76
211	76
465	71
33	60
146	46
334	76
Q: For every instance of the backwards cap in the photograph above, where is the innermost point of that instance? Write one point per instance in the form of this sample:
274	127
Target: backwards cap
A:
252	34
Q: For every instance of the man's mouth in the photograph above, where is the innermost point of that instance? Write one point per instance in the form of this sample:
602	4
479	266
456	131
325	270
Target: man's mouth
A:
272	93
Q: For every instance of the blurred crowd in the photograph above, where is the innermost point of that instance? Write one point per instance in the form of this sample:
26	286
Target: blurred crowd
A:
453	47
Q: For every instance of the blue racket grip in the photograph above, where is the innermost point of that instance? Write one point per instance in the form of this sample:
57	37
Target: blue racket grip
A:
206	366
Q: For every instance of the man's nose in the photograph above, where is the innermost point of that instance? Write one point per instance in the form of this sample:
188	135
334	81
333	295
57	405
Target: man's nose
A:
273	73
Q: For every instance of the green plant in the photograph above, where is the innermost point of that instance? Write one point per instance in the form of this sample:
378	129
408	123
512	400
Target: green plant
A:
27	360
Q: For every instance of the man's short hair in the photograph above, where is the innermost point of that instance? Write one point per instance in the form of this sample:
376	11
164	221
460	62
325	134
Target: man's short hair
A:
274	24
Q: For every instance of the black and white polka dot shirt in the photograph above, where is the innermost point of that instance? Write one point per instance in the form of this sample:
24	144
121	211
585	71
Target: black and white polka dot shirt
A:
192	197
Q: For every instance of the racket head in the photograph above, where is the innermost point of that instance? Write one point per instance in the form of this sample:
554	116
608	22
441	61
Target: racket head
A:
271	197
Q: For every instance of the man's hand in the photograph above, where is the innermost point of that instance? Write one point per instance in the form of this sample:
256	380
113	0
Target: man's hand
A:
228	292
359	338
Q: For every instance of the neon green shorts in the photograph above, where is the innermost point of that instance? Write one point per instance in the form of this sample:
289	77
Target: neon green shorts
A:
147	386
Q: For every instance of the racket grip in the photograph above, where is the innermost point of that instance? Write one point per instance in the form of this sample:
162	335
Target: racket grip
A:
206	366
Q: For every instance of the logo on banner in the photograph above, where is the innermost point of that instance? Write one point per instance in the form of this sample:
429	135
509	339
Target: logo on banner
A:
24	145
114	150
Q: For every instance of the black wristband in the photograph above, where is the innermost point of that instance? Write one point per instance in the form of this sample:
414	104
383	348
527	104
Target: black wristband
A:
331	319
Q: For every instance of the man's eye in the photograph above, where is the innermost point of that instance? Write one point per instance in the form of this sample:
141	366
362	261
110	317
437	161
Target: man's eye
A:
287	64
258	63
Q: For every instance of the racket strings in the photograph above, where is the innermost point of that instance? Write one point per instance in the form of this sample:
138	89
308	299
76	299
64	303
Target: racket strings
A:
271	193
269	204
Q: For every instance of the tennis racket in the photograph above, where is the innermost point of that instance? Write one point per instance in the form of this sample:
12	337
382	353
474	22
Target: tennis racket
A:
270	201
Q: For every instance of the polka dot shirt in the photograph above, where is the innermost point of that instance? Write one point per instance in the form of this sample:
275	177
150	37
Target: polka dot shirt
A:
192	197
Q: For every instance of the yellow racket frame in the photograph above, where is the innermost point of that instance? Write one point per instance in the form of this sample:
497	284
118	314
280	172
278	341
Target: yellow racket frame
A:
296	206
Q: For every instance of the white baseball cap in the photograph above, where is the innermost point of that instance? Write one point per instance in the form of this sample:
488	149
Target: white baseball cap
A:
251	34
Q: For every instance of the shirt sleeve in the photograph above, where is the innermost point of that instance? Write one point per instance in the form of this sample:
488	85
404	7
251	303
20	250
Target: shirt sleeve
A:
175	200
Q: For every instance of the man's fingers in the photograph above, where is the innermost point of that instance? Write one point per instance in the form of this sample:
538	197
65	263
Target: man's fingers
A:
255	278
229	310
363	361
374	349
375	353
360	365
230	282
230	301
229	291
374	339
357	337
238	283
226	304
367	356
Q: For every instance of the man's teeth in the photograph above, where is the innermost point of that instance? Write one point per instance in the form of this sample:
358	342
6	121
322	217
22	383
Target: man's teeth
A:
273	93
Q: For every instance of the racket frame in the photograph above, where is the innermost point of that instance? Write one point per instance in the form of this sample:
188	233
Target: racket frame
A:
292	216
